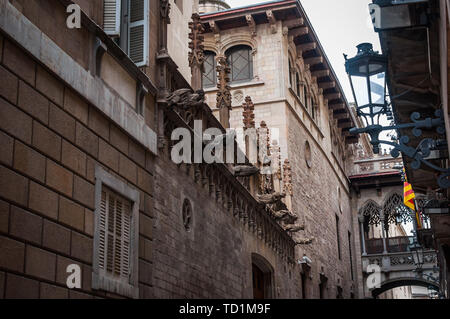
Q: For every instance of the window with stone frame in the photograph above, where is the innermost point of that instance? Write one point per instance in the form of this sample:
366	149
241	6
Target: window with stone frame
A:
240	59
116	238
127	22
291	83
298	84
305	96
210	74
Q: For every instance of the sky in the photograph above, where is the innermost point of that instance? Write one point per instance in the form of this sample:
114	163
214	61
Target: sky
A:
340	25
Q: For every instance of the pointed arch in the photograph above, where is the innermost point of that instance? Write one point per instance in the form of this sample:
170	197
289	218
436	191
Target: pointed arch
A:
395	210
371	212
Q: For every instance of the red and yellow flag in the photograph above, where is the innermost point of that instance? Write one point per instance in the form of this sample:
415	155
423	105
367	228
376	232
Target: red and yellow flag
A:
408	200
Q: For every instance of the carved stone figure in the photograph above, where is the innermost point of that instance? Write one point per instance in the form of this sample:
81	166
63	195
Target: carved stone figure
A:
245	170
270	198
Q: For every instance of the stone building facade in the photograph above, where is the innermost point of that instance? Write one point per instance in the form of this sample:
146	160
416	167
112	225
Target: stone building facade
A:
86	177
276	59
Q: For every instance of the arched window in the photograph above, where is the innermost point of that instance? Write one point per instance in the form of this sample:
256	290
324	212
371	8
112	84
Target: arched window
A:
305	97
210	75
290	74
297	83
241	62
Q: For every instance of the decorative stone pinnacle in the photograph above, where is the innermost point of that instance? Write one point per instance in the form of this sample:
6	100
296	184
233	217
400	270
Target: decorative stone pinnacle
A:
223	95
287	177
248	113
197	39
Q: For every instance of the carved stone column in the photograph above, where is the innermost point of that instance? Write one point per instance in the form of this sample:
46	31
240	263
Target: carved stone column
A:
249	130
276	166
363	240
287	183
383	232
196	56
223	95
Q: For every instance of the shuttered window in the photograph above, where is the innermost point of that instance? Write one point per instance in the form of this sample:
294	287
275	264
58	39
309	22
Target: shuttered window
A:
114	236
138	31
112	17
210	75
241	61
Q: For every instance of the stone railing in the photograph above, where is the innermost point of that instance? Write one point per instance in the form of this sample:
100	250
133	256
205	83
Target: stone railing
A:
377	164
402	261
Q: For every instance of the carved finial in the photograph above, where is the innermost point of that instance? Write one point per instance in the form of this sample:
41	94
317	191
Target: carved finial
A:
287	177
249	115
223	95
196	56
165	9
304	241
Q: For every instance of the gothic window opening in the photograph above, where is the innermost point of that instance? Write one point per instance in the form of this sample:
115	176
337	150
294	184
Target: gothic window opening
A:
210	75
298	84
338	237
240	59
262	278
187	215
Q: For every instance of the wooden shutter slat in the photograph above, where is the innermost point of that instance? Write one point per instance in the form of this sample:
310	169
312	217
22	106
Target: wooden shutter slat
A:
138	31
111	17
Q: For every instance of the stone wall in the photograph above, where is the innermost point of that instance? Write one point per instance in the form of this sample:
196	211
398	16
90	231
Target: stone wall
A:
316	189
52	139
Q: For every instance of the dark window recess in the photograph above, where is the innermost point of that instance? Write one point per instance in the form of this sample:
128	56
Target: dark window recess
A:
338	237
240	60
210	75
350	253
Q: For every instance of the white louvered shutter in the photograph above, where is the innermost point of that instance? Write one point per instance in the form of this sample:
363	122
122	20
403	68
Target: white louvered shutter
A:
115	229
111	17
138	31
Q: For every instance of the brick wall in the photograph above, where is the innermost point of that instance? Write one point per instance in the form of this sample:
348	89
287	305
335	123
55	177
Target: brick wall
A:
51	141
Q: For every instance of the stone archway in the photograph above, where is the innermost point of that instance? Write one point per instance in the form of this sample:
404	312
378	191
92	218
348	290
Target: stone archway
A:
262	278
400	282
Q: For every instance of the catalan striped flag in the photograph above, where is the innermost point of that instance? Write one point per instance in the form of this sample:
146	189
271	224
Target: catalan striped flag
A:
408	200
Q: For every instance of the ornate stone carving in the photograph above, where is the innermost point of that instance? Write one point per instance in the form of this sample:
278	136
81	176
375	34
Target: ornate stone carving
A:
186	103
270	198
196	55
287	177
251	24
244	170
248	113
223	95
304	241
294	228
164	11
272	21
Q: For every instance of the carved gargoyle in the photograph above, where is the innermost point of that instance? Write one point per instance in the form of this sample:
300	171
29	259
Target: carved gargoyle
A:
288	217
186	98
294	228
304	241
244	170
270	198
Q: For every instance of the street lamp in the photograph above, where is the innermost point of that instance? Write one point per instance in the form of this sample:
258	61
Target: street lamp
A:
417	254
367	74
368	80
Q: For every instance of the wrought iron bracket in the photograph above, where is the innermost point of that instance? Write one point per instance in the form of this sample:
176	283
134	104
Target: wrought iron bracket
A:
420	153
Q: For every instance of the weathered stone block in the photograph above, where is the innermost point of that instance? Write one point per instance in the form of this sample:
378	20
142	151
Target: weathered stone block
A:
71	214
62	122
47	141
59	178
4	216
15	122
49	86
145	272
89	222
86	140
137	153
6	145
61	268
74	158
76	106
26	225
53	292
145	182
13	254
43	200
145	226
56	237
18	287
84	192
29	161
13	186
108	155
9	85
32	102
98	123
81	247
40	263
119	139
128	169
16	59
